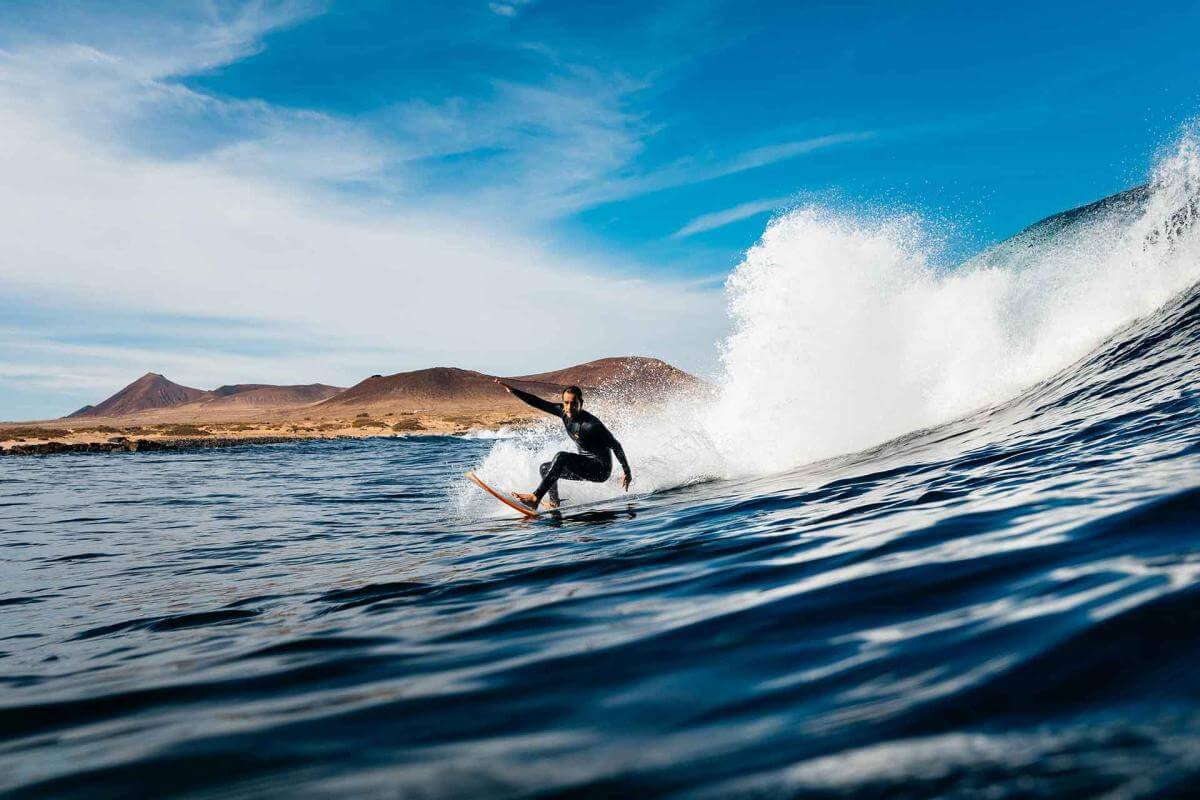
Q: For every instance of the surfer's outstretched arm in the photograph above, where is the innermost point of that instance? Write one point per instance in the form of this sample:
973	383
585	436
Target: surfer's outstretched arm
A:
533	400
619	452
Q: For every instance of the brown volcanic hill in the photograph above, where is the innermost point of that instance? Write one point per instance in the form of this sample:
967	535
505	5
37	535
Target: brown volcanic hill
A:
263	395
619	376
445	391
151	391
153	396
437	387
453	389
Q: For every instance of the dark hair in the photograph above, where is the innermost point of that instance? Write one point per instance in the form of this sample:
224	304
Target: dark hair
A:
575	390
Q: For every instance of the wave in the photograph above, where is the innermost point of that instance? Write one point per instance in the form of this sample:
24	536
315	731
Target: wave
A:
846	333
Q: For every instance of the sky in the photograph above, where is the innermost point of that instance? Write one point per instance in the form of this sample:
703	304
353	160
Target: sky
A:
296	192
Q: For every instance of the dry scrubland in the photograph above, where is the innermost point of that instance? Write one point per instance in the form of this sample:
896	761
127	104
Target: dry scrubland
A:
361	425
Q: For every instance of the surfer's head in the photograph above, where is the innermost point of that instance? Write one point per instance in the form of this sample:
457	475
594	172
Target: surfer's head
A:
572	399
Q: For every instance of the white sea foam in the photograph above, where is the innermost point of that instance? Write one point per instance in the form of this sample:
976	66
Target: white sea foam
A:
846	335
504	432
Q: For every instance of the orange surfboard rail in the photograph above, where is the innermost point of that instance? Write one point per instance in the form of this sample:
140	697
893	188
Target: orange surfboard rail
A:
513	504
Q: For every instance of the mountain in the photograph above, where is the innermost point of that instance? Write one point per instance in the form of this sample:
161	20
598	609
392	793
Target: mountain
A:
453	389
620	376
154	399
154	394
420	389
263	395
151	391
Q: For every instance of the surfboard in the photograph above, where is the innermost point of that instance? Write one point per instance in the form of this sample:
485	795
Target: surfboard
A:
513	504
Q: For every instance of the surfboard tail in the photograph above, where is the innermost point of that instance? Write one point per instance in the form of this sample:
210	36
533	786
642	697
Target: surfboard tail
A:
513	504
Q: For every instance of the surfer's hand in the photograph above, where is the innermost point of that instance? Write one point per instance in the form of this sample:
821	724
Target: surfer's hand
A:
625	481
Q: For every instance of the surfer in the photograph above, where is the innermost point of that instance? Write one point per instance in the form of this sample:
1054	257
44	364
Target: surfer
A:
593	462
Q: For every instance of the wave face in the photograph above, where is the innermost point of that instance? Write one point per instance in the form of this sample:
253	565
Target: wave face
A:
998	597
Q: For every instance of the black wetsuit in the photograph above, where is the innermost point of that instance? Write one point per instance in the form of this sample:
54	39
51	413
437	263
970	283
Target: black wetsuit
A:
593	462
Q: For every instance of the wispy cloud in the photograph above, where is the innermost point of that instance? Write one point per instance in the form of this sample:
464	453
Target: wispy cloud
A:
96	369
530	150
508	8
155	40
762	156
719	219
691	172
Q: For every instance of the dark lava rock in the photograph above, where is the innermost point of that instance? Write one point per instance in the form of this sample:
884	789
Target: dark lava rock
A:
120	444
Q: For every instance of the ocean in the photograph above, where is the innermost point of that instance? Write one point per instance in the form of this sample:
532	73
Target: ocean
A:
933	533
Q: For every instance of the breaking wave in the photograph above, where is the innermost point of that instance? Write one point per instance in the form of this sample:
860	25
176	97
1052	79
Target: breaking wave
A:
847	333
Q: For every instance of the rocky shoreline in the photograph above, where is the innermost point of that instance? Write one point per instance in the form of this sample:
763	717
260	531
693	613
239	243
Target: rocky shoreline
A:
53	437
120	444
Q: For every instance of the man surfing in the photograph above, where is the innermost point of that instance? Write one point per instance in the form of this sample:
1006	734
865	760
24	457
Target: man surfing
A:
593	462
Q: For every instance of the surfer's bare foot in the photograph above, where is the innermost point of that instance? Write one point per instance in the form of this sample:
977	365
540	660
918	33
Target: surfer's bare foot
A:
527	499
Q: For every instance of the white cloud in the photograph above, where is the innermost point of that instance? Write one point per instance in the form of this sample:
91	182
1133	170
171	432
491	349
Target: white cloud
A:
685	173
154	40
241	230
543	148
762	156
508	8
568	144
719	219
95	371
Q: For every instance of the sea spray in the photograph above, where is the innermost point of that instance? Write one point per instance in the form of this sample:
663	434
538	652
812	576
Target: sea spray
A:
844	334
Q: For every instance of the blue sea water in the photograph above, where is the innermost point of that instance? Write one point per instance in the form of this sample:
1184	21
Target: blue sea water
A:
1000	603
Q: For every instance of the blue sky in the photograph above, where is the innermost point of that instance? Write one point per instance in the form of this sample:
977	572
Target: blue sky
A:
304	191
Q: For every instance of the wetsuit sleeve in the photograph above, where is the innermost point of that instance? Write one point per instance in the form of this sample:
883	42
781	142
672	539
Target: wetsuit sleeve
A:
533	400
618	451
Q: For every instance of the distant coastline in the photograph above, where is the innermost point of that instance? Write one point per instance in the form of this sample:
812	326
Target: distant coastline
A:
154	413
44	439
